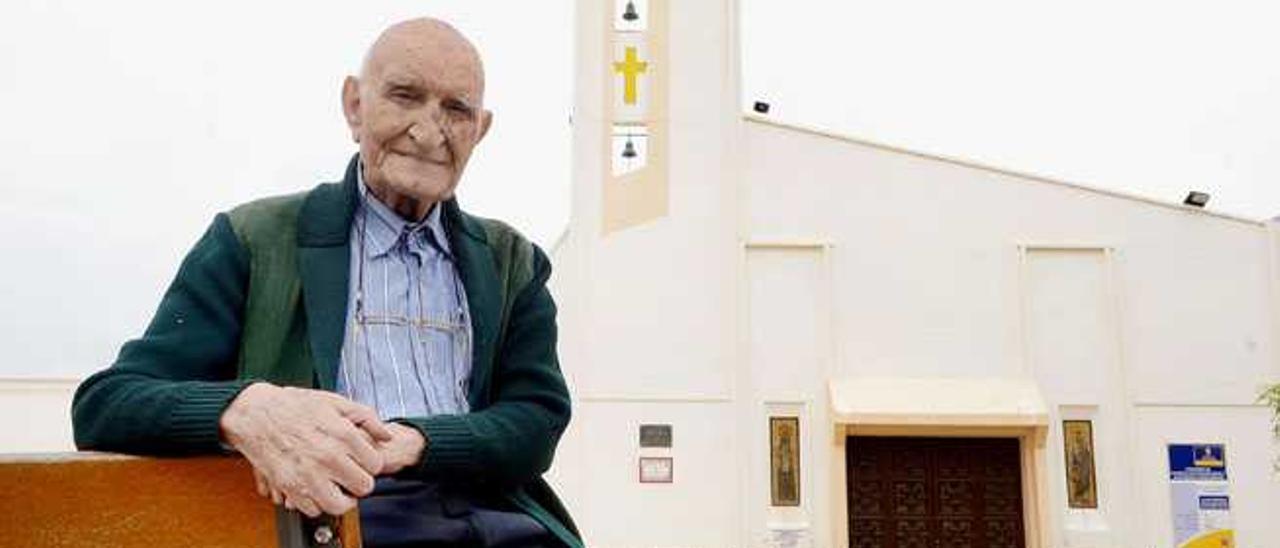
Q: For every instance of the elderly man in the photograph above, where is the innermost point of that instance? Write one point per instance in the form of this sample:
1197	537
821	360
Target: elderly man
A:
367	341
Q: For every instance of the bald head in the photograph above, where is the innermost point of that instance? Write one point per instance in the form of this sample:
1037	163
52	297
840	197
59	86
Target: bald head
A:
416	111
426	36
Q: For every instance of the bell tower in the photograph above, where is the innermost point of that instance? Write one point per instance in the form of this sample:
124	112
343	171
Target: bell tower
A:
647	275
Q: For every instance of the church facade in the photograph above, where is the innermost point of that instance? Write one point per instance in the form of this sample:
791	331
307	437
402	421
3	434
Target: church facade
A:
778	336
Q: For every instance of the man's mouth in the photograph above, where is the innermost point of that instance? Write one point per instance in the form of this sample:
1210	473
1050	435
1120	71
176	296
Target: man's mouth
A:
424	159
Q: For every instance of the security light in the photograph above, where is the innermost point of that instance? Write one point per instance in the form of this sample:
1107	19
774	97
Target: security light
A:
1196	199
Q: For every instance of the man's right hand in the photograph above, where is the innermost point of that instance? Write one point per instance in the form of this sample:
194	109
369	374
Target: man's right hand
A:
314	450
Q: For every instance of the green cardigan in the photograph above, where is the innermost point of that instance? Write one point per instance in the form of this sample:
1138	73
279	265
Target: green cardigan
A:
263	296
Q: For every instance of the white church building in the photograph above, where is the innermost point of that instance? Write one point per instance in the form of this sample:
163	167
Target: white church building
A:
778	336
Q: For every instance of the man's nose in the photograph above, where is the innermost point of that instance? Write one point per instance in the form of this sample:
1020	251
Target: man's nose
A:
428	130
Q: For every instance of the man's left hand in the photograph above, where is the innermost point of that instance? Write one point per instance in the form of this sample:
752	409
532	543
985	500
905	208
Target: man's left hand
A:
405	449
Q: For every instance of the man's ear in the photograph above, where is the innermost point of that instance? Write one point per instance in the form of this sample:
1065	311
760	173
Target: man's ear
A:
351	106
486	120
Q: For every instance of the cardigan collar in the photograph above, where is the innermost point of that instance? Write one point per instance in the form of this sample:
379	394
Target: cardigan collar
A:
324	234
325	218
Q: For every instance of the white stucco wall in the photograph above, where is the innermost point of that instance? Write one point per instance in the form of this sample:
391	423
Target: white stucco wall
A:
35	415
926	252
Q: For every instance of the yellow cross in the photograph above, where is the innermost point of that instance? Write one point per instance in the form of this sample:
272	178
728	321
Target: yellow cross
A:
630	68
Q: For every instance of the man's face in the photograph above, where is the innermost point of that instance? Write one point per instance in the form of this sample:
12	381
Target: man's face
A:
417	113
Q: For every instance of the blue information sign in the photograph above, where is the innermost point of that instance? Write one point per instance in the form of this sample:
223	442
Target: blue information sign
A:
1197	462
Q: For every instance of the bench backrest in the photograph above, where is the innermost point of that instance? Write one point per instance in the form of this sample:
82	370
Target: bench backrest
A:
98	499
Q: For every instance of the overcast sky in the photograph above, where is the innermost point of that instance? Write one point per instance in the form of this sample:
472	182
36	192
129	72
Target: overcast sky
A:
1152	97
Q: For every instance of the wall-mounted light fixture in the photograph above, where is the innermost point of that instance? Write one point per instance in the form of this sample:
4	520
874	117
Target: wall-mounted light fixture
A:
1196	199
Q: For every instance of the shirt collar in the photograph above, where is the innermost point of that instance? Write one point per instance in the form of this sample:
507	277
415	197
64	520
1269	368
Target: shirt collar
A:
383	226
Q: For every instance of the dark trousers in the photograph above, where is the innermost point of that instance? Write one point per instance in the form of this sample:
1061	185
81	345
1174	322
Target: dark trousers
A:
412	513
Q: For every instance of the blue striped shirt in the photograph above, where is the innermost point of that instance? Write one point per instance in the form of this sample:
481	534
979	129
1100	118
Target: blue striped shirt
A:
407	347
407	353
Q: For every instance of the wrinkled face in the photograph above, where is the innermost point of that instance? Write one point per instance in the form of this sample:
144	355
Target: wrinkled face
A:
416	112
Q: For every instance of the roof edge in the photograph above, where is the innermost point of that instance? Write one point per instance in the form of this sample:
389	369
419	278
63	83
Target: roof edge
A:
820	132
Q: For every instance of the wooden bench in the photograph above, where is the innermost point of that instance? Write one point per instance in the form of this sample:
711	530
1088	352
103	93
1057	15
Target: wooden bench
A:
99	499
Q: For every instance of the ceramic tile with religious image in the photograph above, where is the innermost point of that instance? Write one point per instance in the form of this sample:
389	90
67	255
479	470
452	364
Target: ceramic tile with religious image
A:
784	460
1082	477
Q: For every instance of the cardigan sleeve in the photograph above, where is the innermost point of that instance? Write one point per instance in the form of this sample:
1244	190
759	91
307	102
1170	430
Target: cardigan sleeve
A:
513	440
166	390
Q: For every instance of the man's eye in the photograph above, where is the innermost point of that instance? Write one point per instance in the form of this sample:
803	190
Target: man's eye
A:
458	108
402	95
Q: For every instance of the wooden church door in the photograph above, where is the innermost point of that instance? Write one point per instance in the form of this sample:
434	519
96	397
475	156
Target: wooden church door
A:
934	492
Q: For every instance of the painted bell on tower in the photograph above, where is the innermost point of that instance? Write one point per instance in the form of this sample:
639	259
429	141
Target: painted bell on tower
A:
630	15
630	149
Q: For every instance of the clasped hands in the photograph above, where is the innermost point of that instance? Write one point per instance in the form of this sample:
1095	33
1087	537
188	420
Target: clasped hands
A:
315	451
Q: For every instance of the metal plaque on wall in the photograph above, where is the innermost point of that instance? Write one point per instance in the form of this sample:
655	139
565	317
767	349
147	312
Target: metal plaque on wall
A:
655	435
